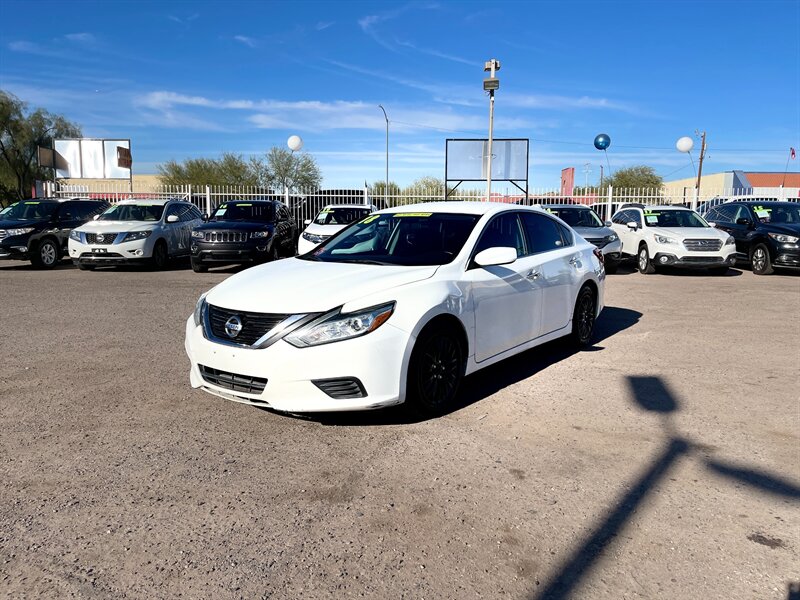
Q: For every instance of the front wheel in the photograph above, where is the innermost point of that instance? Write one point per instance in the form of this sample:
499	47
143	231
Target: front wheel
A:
46	256
583	317
198	267
160	255
643	262
762	264
435	371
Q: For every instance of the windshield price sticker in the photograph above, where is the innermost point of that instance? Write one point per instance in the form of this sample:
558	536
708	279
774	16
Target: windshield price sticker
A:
370	219
242	204
31	203
762	213
420	214
651	218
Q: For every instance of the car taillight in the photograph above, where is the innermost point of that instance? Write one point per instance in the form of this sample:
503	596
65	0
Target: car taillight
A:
599	254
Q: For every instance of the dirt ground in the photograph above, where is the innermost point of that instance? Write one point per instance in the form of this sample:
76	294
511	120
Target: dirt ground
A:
662	463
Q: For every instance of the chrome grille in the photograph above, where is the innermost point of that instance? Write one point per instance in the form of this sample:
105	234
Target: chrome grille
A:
703	259
101	238
3	234
702	245
233	381
598	242
226	236
254	325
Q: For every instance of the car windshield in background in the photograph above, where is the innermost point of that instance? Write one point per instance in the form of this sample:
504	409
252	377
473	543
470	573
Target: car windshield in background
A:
409	239
29	210
673	218
340	216
133	212
577	217
245	211
780	214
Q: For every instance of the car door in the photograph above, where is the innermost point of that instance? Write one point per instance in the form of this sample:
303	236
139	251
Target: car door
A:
738	221
172	231
190	217
506	298
626	234
68	218
553	252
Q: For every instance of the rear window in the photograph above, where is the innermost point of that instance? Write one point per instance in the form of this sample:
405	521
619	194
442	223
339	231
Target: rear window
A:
340	215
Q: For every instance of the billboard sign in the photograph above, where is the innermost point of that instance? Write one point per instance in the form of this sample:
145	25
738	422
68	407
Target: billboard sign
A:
88	158
466	159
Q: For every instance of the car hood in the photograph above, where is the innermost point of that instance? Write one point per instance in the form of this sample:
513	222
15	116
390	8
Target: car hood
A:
21	224
324	229
683	233
234	226
789	229
117	226
594	232
293	285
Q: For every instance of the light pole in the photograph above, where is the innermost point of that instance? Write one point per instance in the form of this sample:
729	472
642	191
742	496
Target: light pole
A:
586	171
295	143
490	85
685	144
386	189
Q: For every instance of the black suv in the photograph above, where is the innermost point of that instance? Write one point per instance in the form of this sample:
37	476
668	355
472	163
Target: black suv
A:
766	233
244	231
38	229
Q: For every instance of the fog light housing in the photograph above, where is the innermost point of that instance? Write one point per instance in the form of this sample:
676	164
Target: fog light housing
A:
21	248
664	259
261	248
138	252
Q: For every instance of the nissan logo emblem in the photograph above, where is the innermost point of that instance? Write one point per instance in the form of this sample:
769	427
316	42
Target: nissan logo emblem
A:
100	237
233	326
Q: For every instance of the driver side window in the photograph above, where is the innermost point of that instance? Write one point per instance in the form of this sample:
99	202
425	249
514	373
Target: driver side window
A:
503	230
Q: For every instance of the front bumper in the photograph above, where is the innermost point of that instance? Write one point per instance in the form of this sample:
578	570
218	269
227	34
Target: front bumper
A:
666	259
218	254
786	256
122	253
377	360
15	247
304	246
612	250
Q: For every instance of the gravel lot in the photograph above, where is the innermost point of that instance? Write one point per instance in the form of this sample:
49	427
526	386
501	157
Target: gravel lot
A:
662	463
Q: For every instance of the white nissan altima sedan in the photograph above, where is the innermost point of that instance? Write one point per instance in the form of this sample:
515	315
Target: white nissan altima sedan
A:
397	307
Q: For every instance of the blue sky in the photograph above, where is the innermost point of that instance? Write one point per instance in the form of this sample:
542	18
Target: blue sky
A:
190	79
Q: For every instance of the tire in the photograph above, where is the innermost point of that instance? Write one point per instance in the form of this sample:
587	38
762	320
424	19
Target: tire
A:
643	262
611	266
160	257
198	267
718	270
85	267
583	317
435	371
273	253
760	260
46	255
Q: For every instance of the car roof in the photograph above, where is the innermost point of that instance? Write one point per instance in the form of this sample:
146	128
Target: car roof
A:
660	207
546	206
761	202
149	202
245	201
468	207
327	206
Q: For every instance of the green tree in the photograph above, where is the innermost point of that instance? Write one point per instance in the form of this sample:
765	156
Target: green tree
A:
382	198
640	176
229	169
21	132
425	189
284	169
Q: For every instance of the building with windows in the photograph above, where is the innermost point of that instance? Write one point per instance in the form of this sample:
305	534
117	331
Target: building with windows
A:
737	183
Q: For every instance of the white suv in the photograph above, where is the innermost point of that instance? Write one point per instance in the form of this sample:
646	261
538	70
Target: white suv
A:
672	236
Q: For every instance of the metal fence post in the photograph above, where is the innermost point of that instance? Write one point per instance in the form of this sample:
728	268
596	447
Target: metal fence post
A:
208	200
608	200
189	195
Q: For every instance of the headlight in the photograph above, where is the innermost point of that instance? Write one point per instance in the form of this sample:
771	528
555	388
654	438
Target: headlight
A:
778	237
610	238
136	235
20	231
314	238
335	326
260	234
200	309
662	239
731	241
74	235
198	235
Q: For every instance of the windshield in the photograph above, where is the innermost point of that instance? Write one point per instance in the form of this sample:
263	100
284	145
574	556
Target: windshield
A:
340	215
410	239
133	212
29	210
245	211
673	218
577	217
778	214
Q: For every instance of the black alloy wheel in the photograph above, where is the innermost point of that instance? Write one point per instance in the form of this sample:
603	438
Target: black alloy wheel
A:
435	371
583	317
160	255
762	265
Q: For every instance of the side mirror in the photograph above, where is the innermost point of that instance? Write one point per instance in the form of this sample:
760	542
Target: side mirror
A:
609	223
94	218
710	224
633	225
205	217
744	221
172	219
501	255
307	222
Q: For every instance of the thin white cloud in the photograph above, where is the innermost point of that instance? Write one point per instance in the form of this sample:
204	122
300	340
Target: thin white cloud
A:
247	41
81	38
438	54
323	25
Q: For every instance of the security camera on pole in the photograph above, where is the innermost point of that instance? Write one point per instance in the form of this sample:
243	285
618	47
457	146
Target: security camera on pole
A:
490	85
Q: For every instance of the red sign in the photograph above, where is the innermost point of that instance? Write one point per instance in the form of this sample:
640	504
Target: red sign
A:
124	160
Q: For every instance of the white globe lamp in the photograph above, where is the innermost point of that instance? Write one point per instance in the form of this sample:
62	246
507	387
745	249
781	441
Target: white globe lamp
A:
684	144
294	142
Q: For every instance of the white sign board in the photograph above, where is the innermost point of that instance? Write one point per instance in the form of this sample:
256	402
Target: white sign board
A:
466	160
90	159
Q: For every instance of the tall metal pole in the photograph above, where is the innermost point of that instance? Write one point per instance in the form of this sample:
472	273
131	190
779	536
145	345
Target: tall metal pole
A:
386	189
491	132
699	171
601	177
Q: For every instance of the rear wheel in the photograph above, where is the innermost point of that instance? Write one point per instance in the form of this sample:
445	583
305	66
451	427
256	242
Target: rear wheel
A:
762	264
583	317
643	262
47	255
160	255
435	371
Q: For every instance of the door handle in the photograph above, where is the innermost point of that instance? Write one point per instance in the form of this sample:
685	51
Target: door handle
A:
574	260
533	275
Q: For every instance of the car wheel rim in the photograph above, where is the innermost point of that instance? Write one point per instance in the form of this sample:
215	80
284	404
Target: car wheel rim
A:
440	370
759	259
160	255
48	254
586	317
643	259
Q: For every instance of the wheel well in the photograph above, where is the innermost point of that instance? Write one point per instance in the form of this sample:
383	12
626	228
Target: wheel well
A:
46	238
450	323
591	285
